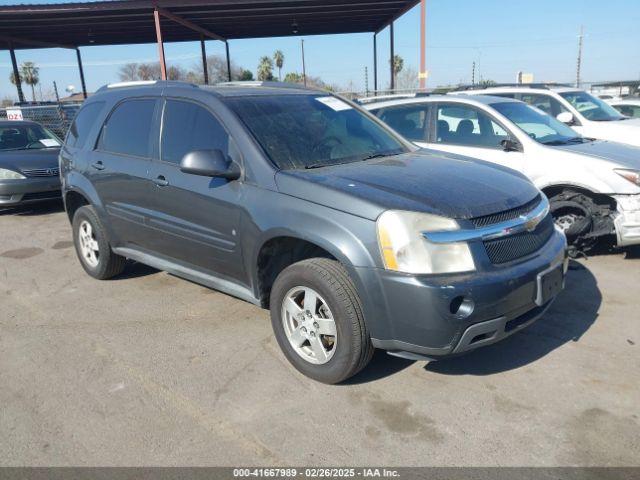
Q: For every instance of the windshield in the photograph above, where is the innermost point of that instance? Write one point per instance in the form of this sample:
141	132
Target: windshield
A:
538	125
592	108
310	131
27	136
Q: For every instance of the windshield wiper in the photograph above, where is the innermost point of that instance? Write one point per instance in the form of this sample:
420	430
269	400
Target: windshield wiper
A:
379	155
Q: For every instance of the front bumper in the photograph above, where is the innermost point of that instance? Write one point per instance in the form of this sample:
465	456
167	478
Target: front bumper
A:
627	220
420	320
28	190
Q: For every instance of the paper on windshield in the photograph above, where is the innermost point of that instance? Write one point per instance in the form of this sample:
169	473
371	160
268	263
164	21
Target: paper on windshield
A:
49	142
334	103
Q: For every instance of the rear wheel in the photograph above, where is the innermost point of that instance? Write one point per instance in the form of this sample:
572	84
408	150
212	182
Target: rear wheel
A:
318	322
92	246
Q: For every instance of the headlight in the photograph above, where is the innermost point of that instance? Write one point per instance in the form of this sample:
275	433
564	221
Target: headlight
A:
405	249
10	175
632	175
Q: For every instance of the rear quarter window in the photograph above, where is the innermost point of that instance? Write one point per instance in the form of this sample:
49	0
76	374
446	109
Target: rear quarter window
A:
82	124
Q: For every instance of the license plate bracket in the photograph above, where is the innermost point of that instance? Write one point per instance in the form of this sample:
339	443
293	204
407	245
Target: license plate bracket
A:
549	284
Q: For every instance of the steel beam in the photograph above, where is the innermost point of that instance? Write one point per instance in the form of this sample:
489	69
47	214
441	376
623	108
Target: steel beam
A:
186	23
226	47
391	56
81	70
163	65
205	69
16	75
375	63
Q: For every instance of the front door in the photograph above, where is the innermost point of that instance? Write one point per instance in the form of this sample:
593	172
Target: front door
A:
196	217
466	130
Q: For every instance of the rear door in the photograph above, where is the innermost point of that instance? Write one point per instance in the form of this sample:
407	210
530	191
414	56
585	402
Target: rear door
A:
119	168
196	218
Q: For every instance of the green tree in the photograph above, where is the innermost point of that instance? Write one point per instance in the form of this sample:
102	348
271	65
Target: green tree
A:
278	57
293	77
398	65
487	83
246	75
265	69
29	74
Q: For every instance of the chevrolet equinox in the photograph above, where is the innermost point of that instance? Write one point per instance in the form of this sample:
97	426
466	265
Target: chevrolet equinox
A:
299	201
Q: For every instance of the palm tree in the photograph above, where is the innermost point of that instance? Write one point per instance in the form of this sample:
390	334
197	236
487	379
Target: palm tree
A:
265	68
398	65
29	74
278	57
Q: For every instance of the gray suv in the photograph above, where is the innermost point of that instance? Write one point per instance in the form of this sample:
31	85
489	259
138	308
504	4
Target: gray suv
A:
299	201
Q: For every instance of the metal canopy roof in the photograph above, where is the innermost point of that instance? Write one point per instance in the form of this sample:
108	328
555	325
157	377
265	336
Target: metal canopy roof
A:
132	21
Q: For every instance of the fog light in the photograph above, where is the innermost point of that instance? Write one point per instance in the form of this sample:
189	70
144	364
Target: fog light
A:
461	306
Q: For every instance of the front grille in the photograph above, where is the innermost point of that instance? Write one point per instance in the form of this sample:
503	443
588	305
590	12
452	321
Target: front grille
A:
520	245
506	215
41	172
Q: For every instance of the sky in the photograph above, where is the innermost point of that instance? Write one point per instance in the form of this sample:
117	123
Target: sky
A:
501	36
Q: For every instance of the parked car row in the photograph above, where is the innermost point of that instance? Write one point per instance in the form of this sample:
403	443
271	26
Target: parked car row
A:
349	231
593	185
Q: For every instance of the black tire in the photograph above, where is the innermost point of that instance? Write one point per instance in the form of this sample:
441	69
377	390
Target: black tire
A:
580	208
329	279
109	264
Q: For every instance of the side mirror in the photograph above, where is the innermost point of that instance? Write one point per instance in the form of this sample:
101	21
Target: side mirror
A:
565	117
509	145
209	163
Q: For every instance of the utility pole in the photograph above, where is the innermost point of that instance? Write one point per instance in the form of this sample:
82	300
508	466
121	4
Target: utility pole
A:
304	69
366	81
579	62
473	73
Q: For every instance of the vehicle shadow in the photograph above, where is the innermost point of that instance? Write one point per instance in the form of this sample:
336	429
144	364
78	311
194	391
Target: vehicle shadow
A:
382	365
40	208
136	270
570	316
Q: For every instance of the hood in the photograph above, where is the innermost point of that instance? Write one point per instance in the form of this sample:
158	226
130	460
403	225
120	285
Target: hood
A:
19	160
623	131
625	156
425	181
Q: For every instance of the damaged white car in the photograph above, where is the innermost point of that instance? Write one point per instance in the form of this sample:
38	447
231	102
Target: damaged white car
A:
593	185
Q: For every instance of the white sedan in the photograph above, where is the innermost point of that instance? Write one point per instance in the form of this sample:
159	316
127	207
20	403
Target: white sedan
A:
629	107
593	185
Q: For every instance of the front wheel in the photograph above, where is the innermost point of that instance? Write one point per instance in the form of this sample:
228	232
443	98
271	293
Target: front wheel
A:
318	322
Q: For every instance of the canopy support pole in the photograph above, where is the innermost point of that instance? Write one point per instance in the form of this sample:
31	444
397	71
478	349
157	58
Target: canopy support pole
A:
392	55
423	46
375	63
163	65
205	69
226	46
16	74
81	70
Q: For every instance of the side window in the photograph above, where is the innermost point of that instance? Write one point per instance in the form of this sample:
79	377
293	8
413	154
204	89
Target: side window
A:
465	125
82	124
128	128
546	103
629	110
407	121
186	127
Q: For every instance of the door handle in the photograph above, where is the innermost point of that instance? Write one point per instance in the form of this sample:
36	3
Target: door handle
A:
161	181
98	165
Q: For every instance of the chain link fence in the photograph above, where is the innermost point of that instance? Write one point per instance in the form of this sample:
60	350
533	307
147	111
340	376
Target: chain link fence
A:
55	117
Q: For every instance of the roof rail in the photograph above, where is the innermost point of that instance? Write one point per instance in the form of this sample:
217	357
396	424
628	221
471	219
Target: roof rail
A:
394	96
541	86
143	83
260	83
